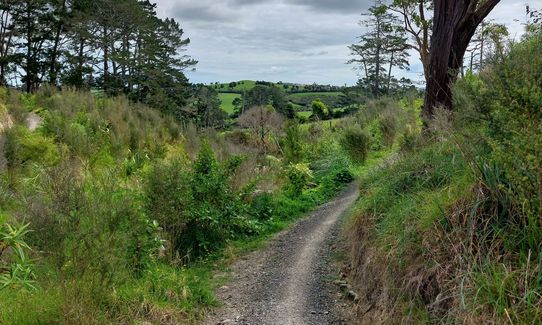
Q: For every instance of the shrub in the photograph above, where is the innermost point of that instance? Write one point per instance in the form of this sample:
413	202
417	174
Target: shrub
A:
15	268
343	177
293	151
320	110
263	206
197	206
168	195
299	175
356	142
388	128
23	146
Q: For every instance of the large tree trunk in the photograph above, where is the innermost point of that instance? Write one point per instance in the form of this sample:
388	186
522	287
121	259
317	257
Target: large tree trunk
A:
454	24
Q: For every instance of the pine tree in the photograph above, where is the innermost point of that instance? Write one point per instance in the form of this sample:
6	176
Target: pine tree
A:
381	49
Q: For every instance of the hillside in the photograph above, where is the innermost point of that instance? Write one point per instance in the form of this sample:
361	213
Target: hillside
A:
299	96
153	209
135	191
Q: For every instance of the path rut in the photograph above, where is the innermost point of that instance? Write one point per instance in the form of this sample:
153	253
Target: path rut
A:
288	282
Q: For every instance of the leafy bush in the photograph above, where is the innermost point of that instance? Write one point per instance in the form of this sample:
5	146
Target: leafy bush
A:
197	207
343	177
263	206
356	142
320	110
15	268
23	146
299	175
293	150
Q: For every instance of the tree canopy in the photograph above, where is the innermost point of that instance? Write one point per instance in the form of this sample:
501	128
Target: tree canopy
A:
118	46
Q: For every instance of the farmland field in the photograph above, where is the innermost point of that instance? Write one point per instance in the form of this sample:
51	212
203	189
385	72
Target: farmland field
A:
226	100
240	86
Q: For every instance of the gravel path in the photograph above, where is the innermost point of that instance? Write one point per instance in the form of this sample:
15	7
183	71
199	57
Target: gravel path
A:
288	282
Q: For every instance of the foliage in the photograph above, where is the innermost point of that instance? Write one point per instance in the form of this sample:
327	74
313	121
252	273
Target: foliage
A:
380	49
299	175
509	99
261	96
197	207
262	121
23	147
292	142
357	143
320	110
343	177
453	225
15	268
204	108
134	52
263	206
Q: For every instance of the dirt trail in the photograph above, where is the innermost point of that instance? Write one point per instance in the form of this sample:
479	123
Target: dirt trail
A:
288	281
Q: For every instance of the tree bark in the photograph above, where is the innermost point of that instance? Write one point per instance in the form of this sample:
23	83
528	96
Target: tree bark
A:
454	24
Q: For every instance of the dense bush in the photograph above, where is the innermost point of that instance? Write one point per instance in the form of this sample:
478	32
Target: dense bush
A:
357	143
320	110
197	207
23	146
299	175
292	143
263	206
343	177
120	205
453	227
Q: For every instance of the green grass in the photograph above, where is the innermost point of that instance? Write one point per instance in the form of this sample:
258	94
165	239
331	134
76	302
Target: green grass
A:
306	114
226	100
241	86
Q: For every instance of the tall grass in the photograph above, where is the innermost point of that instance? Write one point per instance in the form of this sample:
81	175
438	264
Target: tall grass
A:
453	228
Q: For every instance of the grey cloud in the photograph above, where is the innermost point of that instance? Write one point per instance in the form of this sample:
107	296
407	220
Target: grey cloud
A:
343	6
313	54
290	40
201	12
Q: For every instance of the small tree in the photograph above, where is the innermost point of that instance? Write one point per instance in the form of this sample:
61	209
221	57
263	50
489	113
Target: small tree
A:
381	49
262	121
293	151
320	110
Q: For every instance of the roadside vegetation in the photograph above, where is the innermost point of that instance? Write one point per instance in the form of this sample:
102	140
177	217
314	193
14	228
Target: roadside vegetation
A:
450	232
124	188
112	212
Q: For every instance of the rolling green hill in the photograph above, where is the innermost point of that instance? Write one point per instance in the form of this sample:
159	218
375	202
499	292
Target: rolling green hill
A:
226	100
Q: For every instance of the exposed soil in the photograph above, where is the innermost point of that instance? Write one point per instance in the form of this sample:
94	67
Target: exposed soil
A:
33	121
291	280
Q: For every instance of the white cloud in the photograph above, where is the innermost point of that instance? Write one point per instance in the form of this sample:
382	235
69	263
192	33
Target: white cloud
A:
284	40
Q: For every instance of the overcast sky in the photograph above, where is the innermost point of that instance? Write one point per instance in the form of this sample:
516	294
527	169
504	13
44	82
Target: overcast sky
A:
302	41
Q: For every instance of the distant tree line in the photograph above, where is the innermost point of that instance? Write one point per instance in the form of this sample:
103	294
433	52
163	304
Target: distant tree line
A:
117	46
